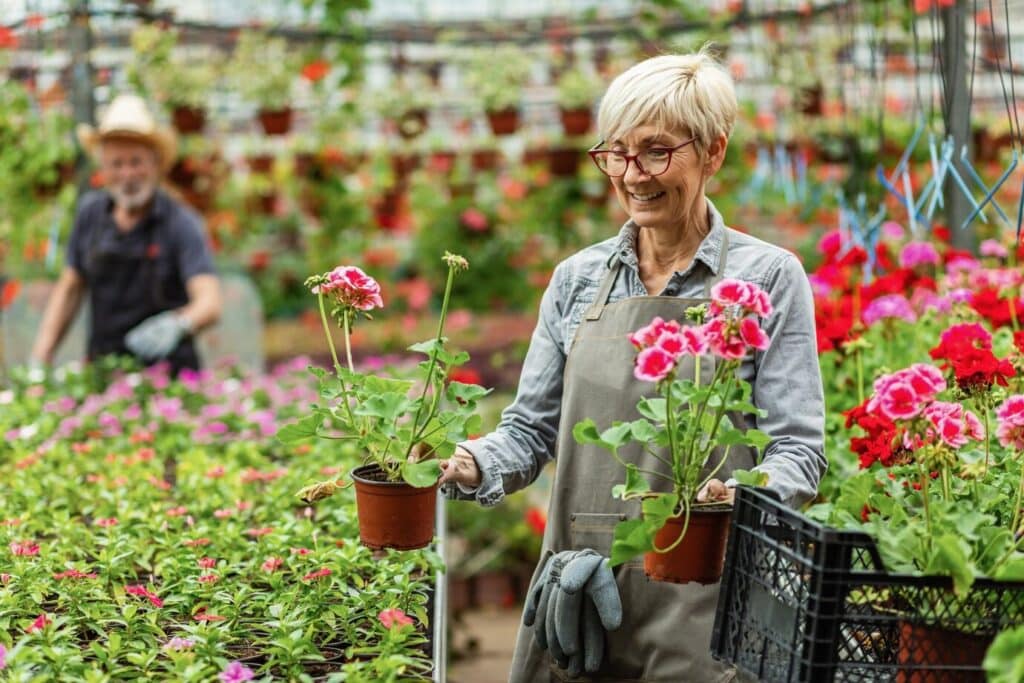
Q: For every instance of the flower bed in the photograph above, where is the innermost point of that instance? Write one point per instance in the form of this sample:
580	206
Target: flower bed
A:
151	530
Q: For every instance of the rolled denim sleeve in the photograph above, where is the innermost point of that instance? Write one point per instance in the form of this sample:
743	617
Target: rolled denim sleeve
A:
788	387
512	456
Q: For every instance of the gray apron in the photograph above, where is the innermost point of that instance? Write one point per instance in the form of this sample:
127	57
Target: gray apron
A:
666	628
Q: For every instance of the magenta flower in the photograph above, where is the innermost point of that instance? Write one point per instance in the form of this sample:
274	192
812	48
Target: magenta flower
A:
753	335
143	592
236	672
648	335
272	564
1010	415
3	657
653	365
106	522
889	306
474	219
352	287
917	254
24	549
724	339
394	617
750	298
954	425
992	248
41	622
177	644
318	574
892	230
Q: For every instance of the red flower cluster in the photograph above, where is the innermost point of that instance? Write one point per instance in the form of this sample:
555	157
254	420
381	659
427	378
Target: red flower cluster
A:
994	308
143	592
967	350
881	442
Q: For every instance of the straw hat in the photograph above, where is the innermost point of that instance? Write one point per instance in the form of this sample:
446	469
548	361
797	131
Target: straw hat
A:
128	118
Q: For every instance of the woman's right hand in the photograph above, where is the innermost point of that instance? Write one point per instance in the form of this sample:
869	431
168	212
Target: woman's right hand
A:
461	468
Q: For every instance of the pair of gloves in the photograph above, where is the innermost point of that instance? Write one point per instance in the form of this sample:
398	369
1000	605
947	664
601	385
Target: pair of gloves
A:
157	336
571	606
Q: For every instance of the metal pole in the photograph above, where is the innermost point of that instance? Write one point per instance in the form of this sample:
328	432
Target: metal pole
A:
958	119
440	653
82	101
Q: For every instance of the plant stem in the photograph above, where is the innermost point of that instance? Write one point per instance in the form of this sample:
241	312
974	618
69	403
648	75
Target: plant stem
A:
859	363
1016	506
679	539
670	421
924	498
1012	303
984	414
348	344
417	429
334	355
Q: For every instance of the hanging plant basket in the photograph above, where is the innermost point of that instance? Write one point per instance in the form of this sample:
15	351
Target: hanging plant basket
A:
188	120
260	163
575	121
484	159
412	123
504	122
393	514
404	164
276	121
700	556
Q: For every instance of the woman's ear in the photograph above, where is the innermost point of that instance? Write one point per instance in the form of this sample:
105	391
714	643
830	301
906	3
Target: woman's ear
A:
715	156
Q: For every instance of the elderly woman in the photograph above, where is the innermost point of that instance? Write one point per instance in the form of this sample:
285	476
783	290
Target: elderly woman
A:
665	125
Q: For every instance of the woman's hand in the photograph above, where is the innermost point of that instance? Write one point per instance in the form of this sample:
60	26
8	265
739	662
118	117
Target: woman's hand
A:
461	469
716	492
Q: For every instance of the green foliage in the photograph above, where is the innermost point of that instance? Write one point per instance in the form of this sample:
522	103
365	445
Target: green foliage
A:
168	76
496	76
263	70
578	89
1004	662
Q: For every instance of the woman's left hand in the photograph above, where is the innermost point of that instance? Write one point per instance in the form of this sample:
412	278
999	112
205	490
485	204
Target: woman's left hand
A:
716	492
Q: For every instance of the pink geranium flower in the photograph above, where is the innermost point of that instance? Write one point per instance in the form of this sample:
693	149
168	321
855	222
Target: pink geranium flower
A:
394	617
724	339
236	672
899	401
1010	415
992	248
350	286
753	335
918	253
653	364
648	335
954	425
889	306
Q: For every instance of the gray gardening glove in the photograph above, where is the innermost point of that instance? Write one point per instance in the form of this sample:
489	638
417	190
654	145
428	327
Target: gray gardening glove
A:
540	600
155	337
589	605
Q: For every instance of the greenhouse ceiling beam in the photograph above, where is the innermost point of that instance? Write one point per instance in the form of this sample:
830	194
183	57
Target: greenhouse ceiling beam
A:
525	31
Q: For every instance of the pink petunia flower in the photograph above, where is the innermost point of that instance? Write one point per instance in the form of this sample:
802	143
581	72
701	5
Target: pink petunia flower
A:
236	672
394	617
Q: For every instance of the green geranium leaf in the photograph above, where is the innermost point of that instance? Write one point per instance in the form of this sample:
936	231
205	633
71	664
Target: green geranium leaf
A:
630	539
950	558
1004	662
373	384
635	486
1013	570
387	406
614	437
652	408
465	393
658	509
643	431
305	428
758	439
585	432
750	477
427	346
421	474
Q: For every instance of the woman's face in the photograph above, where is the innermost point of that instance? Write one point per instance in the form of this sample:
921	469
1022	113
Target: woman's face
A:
667	199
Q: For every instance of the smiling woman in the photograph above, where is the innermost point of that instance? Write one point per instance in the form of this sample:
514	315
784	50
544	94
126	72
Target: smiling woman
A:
664	127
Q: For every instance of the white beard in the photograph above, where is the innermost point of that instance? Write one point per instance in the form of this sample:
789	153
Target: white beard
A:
132	197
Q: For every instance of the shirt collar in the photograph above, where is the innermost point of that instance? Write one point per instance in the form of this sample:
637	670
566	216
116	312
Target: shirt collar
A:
159	208
708	252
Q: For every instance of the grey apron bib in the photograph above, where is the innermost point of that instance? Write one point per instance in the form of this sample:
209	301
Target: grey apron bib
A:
666	628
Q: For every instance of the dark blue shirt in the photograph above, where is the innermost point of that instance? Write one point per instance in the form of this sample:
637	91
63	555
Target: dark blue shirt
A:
135	274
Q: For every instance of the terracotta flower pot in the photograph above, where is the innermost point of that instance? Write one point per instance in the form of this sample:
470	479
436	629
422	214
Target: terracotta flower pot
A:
276	122
575	121
260	163
700	556
484	159
504	122
404	164
188	120
564	162
393	514
931	649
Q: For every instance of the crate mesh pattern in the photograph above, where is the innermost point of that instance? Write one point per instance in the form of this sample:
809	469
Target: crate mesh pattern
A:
800	601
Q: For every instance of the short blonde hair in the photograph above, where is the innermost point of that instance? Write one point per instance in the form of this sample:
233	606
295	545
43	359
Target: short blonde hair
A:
690	92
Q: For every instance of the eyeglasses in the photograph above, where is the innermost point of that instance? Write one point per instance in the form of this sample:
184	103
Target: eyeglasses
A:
652	161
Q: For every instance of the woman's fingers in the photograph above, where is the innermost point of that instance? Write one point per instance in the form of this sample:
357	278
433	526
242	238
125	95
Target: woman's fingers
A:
715	490
460	468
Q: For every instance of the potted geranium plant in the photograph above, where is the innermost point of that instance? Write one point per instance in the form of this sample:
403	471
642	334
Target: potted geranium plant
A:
497	76
388	419
577	91
263	70
689	422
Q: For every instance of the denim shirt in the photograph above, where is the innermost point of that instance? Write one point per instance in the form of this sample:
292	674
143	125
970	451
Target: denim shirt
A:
786	378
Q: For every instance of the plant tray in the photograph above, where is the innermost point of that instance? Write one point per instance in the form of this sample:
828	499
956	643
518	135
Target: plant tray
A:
800	601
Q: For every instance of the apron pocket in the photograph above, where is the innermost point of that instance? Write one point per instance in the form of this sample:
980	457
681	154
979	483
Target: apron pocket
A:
593	530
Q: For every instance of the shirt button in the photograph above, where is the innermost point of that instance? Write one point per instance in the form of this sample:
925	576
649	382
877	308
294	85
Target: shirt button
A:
671	290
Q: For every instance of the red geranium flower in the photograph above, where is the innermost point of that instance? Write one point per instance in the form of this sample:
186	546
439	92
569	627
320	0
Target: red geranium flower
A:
315	71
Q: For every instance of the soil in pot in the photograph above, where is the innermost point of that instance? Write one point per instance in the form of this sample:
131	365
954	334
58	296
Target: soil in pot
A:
700	555
393	514
938	655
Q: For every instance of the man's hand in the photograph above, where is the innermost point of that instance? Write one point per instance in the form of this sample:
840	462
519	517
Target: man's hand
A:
461	468
156	337
716	492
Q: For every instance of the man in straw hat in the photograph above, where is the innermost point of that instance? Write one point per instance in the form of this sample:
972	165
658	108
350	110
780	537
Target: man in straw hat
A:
141	255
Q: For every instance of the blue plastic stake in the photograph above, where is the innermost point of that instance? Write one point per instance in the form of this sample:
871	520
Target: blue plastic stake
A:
911	210
992	192
981	183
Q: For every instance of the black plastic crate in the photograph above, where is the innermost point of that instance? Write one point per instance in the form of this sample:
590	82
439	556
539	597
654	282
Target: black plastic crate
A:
801	601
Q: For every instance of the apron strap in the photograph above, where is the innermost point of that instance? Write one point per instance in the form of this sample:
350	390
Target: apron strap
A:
596	308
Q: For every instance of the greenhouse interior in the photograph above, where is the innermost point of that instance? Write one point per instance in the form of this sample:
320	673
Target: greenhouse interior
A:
636	340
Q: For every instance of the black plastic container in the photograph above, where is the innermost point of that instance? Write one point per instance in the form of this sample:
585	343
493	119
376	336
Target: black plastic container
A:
800	601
